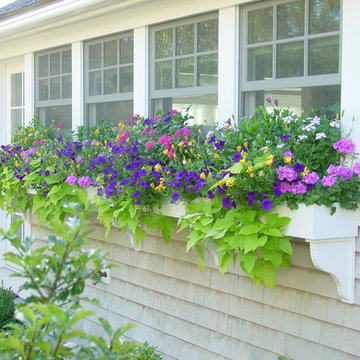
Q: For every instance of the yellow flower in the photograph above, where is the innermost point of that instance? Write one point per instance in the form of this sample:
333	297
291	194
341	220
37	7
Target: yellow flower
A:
337	116
249	170
270	160
305	172
238	148
230	182
242	161
172	146
342	112
203	175
78	166
105	142
193	141
261	173
251	175
216	155
97	143
165	152
152	185
199	131
287	159
210	175
97	131
180	144
158	167
246	144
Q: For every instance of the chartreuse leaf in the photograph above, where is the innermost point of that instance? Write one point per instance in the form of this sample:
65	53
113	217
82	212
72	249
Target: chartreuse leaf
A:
265	271
236	168
139	235
246	216
193	237
248	261
225	261
167	226
274	220
252	243
275	257
284	244
272	232
252	228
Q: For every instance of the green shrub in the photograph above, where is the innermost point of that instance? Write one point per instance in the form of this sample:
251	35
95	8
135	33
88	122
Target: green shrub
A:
48	320
7	306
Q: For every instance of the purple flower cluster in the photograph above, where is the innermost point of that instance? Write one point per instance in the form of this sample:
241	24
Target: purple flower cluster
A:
345	146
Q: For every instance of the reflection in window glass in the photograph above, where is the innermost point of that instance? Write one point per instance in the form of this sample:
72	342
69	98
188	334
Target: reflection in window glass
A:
55	64
164	44
290	19
16	119
60	115
260	26
326	99
204	108
16	89
324	56
260	63
324	16
110	81
163	75
126	78
207	35
290	59
207	70
110	53
185	72
185	39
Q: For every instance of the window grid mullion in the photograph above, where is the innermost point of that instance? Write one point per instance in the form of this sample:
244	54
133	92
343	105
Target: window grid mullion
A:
274	45
306	40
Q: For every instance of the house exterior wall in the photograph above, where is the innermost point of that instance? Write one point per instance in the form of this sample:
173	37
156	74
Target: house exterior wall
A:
185	313
190	314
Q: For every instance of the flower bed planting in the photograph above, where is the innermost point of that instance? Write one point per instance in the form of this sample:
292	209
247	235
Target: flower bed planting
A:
245	170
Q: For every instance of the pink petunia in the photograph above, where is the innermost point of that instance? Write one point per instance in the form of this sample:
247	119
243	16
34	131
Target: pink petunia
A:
149	145
61	126
356	168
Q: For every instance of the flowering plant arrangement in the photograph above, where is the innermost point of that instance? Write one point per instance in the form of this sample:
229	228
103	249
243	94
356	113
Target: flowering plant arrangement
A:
230	179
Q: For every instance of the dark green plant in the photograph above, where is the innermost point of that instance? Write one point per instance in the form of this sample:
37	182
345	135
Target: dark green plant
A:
7	306
56	275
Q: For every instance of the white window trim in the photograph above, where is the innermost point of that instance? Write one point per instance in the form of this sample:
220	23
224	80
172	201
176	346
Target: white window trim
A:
302	81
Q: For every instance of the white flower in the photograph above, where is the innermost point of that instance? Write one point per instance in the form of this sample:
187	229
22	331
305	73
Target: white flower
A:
309	127
302	137
320	136
315	120
335	123
288	119
280	146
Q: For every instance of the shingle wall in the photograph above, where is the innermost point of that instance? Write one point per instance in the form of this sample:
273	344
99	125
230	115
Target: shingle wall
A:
190	314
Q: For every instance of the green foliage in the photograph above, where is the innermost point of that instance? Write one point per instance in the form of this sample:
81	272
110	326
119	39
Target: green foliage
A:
7	307
251	237
56	274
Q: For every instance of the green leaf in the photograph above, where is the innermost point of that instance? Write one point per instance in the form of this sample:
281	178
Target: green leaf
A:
140	234
274	220
275	257
252	243
167	226
272	232
14	343
106	217
285	245
248	261
266	272
251	228
236	168
193	237
226	222
246	216
224	262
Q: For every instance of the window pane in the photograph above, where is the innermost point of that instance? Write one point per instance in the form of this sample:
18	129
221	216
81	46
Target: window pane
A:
163	75
207	35
55	88
185	39
207	70
326	99
324	16
324	56
164	44
126	79
66	87
66	62
204	108
16	89
126	50
110	81
185	72
55	64
290	19
290	59
61	115
95	83
16	119
110	53
43	89
111	112
95	56
43	66
260	25
260	63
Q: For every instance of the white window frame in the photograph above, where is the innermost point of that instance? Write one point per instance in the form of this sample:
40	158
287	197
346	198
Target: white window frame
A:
103	98
183	91
297	82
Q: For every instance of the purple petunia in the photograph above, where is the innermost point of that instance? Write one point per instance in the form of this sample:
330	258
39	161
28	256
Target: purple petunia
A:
226	202
236	157
175	196
285	137
84	182
266	204
299	168
71	180
345	146
136	194
210	194
328	181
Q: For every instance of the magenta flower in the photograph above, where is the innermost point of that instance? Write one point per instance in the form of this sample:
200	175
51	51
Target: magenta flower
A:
71	180
124	136
85	142
298	188
356	168
149	145
328	181
41	141
165	139
345	146
79	159
284	187
173	112
84	182
143	133
152	132
61	126
286	173
311	178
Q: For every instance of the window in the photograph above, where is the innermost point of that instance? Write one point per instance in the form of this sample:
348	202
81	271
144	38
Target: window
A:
109	79
291	51
17	105
53	86
184	67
